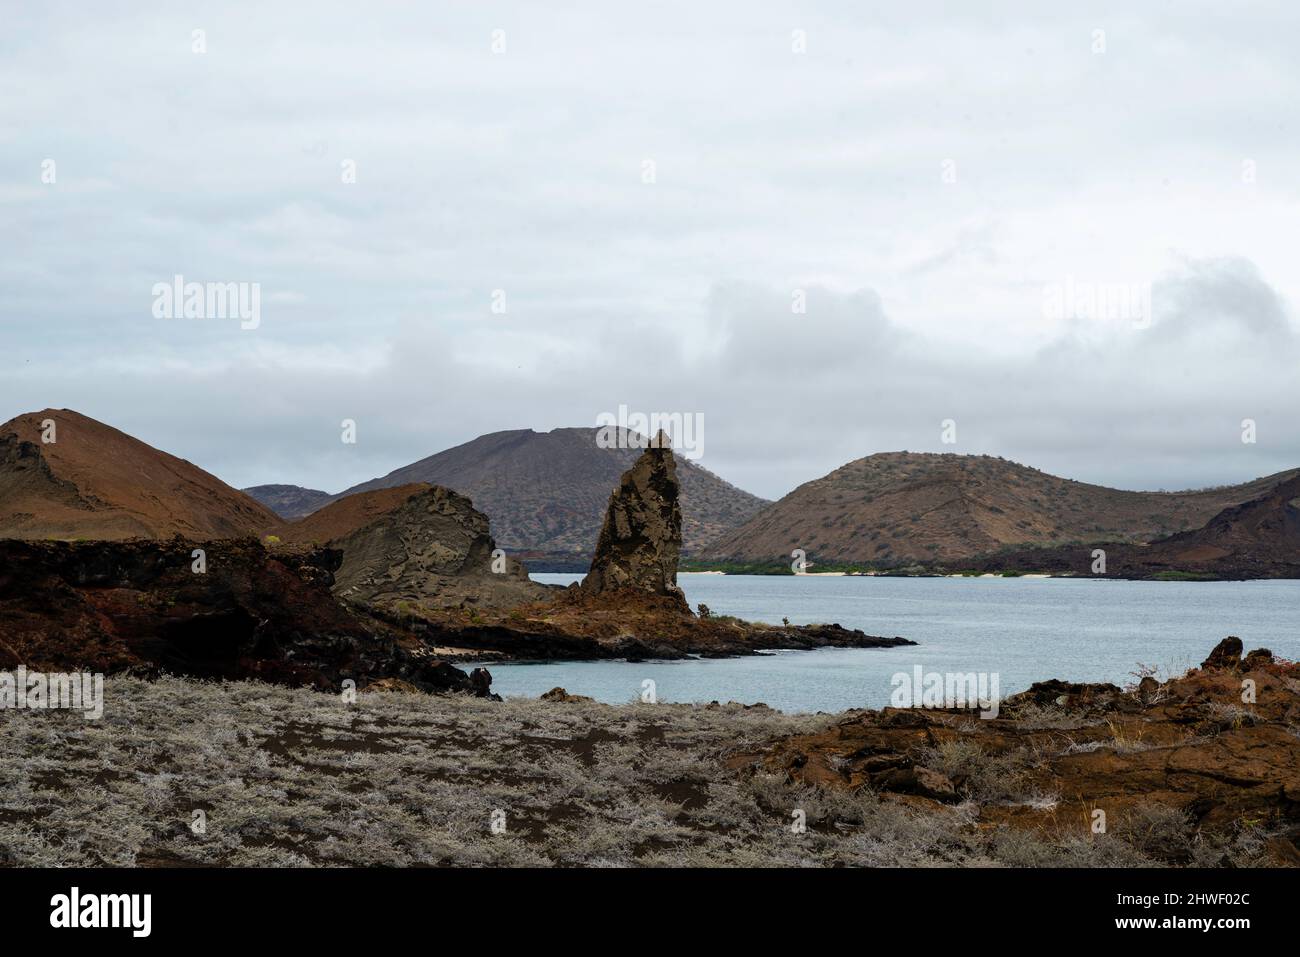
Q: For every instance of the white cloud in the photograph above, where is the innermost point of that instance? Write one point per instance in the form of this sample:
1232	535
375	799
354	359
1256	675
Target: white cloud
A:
775	172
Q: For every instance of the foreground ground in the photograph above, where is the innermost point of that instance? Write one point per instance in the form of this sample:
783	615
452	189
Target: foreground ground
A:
289	777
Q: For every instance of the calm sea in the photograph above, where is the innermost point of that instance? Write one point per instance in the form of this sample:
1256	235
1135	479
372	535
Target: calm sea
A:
1022	629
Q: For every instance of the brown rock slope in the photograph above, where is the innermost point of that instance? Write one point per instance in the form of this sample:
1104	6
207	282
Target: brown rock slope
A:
141	607
1179	756
94	482
344	516
1257	539
413	549
899	507
546	491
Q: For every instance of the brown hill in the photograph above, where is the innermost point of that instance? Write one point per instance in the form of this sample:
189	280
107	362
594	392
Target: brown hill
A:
94	482
1256	539
546	492
289	501
1268	526
899	507
345	515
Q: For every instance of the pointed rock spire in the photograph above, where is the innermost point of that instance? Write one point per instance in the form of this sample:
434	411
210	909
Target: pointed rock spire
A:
641	538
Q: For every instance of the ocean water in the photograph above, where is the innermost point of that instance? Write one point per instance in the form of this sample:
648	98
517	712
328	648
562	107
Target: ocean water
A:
1021	629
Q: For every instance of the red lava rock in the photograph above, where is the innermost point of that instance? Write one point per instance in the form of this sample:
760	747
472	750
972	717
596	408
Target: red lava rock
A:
1189	743
1226	654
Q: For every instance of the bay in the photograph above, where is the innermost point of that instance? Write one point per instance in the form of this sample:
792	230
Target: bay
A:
1020	629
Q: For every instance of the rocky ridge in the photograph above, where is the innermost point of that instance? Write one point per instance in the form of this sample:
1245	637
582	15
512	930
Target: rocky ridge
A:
1255	539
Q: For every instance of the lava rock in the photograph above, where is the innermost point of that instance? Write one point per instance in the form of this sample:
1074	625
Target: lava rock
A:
641	538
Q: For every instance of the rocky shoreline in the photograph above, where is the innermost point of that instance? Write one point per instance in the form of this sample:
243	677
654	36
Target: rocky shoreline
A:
1214	750
544	639
1160	774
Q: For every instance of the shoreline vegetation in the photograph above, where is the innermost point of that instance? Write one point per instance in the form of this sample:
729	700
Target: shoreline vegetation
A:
860	570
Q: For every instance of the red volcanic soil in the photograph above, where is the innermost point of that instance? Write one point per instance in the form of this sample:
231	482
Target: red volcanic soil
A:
94	482
346	515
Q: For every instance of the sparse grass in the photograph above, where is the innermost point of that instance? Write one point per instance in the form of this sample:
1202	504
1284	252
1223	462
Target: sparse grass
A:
1035	717
1126	738
1164	833
980	776
294	778
1231	716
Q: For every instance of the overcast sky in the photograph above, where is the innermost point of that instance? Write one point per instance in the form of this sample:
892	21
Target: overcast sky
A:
650	185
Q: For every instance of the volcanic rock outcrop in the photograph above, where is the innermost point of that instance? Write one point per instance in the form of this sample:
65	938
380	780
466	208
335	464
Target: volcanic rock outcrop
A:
628	606
641	538
233	611
1058	752
423	548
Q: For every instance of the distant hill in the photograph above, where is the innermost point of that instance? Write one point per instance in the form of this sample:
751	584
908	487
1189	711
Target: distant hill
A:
289	501
546	492
898	507
1256	539
94	482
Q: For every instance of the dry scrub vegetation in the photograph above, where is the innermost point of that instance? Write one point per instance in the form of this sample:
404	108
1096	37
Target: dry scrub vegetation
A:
297	778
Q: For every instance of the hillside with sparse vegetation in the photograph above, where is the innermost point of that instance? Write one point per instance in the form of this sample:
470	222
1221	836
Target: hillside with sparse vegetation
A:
899	507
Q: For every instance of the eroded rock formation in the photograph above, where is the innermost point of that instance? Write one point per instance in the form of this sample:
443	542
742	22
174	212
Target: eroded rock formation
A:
432	550
641	538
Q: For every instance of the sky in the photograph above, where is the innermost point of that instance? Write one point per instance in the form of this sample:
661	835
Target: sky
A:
820	230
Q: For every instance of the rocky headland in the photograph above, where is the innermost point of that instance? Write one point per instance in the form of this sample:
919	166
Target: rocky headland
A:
184	575
629	604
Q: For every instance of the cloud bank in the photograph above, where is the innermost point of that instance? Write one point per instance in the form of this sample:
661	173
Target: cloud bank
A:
649	196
